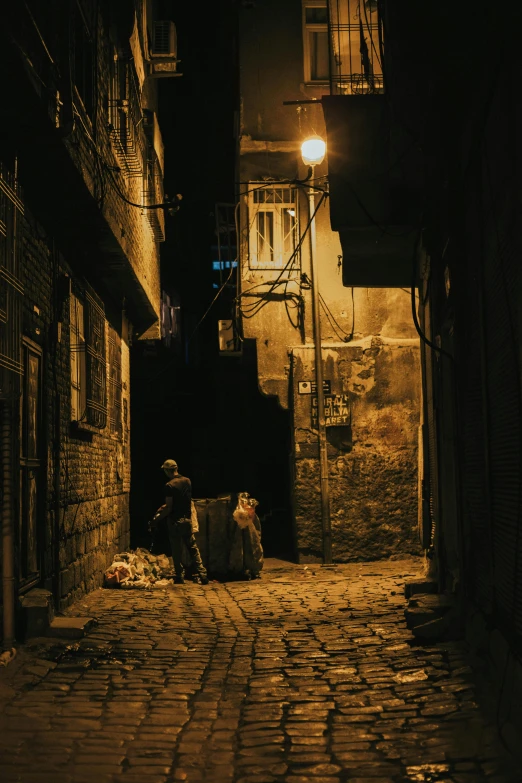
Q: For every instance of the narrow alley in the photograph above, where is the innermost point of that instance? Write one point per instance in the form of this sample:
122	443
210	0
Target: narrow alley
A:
306	676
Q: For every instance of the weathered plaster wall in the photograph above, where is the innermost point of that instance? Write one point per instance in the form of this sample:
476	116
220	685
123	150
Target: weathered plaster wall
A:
373	463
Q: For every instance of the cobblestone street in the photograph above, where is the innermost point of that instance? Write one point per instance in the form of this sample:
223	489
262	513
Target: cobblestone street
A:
306	676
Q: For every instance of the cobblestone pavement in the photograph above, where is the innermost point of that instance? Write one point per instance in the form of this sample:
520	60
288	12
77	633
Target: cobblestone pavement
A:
306	676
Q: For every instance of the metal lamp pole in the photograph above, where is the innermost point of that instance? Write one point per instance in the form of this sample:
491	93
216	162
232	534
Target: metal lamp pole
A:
321	423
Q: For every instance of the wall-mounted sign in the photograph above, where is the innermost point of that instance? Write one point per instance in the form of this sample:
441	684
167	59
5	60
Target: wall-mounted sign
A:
336	410
310	387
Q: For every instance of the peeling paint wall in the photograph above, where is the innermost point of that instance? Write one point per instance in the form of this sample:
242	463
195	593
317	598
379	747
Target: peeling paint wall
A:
372	462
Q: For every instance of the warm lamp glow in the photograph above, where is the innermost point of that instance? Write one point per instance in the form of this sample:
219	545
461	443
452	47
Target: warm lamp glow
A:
313	151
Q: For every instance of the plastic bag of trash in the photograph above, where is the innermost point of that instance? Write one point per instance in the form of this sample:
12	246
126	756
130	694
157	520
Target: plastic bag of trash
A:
245	510
246	550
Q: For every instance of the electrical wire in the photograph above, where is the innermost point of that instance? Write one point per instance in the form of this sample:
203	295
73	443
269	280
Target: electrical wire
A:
272	183
369	28
414	308
348	335
211	304
111	169
332	323
221	289
40	36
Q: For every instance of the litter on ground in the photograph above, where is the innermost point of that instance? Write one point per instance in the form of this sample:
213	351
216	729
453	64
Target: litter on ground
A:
138	569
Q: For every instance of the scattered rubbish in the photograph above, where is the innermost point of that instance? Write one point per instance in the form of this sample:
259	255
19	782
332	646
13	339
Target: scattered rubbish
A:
139	569
7	656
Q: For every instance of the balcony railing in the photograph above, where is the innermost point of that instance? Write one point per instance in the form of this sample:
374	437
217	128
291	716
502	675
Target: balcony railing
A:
126	119
356	47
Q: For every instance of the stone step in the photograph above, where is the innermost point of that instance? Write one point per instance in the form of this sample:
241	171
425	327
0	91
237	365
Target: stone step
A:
70	627
38	612
415	586
432	616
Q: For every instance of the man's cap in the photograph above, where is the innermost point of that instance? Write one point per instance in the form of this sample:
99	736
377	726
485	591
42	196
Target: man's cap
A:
170	464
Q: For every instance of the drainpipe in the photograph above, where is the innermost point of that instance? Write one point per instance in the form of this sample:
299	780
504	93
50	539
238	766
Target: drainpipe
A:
8	580
321	423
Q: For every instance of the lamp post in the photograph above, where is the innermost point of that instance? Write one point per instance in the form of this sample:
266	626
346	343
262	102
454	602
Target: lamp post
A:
313	152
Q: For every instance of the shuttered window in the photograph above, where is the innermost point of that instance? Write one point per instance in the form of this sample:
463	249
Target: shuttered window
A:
88	362
115	384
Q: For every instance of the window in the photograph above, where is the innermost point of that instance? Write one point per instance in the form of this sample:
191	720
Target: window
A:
115	385
315	41
88	362
78	364
273	226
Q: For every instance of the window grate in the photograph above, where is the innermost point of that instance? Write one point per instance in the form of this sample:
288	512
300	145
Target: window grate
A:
356	51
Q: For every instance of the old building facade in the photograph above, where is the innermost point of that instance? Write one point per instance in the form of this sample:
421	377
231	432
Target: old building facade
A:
468	273
81	219
370	349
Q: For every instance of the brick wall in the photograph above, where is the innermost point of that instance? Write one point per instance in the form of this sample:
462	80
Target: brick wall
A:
93	519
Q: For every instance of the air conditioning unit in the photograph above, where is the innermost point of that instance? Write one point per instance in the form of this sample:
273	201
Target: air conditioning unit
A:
163	52
164	40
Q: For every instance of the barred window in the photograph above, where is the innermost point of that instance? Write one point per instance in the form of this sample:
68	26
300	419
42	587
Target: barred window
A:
273	219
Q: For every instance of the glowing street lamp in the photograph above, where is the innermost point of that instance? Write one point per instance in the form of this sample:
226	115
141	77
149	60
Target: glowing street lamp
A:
313	152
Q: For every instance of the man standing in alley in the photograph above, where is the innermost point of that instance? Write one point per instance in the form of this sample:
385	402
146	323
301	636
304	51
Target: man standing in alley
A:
177	509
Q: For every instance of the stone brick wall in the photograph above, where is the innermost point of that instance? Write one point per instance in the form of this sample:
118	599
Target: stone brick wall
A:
92	523
80	230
